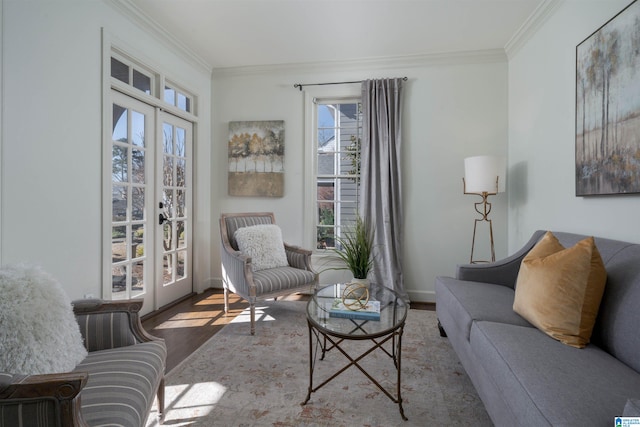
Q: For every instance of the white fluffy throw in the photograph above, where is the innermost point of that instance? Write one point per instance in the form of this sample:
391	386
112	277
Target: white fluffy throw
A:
263	243
38	331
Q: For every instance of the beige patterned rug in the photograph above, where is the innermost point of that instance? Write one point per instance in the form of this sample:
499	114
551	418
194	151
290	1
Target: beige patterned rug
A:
236	379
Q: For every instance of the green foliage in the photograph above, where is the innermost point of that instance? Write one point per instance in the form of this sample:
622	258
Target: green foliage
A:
139	233
353	154
357	249
325	234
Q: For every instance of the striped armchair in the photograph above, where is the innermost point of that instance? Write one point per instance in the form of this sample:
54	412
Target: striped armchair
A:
114	385
239	277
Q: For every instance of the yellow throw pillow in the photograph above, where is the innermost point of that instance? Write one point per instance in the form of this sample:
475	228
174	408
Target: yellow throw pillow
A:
559	290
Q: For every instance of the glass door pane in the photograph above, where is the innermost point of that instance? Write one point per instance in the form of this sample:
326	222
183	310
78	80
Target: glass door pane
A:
175	193
131	130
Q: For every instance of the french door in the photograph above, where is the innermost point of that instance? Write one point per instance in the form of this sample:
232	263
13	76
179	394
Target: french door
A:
148	227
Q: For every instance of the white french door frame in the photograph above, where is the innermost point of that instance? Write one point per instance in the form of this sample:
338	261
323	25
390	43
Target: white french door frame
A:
174	221
159	288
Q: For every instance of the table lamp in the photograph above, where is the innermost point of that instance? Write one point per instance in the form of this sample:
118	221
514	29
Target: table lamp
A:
484	176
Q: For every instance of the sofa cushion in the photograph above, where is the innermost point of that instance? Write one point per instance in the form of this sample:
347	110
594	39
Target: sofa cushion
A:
263	243
278	279
548	383
122	384
43	337
559	290
464	302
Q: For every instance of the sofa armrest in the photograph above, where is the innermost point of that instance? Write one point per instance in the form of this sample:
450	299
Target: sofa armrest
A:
110	324
298	257
56	397
502	272
237	274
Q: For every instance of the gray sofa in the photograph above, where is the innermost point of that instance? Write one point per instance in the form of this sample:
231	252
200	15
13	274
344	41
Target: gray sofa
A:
114	385
526	378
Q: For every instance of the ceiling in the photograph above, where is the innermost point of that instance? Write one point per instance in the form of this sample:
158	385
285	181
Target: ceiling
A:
240	33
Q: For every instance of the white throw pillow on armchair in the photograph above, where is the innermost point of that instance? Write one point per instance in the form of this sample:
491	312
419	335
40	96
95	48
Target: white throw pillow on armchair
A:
39	333
263	243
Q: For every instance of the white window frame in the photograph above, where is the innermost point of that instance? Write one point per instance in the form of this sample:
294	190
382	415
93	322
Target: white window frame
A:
326	94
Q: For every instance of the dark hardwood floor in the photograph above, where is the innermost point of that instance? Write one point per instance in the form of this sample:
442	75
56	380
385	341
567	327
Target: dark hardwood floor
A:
187	325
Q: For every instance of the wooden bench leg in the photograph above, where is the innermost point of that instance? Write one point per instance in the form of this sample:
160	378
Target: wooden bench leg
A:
253	318
161	399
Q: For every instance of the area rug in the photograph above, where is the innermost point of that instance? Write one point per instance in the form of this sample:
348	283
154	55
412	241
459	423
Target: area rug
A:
236	379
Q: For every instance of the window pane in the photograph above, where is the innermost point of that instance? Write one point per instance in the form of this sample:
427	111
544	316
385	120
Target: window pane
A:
120	164
326	163
181	201
167	235
120	123
118	243
169	95
326	191
181	233
326	140
182	259
167	200
167	134
167	264
137	204
141	81
137	241
119	281
168	170
137	279
180	142
325	238
119	203
181	167
119	70
182	102
137	166
137	129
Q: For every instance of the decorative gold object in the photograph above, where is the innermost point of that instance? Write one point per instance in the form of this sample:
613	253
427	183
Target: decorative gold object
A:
357	294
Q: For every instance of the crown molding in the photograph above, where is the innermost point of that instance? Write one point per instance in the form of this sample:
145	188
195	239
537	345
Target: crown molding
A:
138	17
531	26
394	62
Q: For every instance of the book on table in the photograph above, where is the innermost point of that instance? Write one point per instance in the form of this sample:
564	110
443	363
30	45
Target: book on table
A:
370	311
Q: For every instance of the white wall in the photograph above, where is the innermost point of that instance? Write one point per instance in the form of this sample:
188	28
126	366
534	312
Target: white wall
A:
51	136
455	107
542	129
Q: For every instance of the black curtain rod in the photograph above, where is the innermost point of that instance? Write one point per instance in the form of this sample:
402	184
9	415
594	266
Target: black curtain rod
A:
301	85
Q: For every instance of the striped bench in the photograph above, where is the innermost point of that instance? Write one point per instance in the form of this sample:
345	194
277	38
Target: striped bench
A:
114	385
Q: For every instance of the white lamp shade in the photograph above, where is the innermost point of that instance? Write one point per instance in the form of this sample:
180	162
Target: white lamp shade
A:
481	172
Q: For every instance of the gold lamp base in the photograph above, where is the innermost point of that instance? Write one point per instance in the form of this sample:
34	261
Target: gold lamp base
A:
483	208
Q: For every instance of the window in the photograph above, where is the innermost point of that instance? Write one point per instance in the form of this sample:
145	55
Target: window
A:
134	74
131	74
338	138
177	98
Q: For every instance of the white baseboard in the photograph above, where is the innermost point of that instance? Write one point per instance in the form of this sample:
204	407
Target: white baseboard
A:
421	296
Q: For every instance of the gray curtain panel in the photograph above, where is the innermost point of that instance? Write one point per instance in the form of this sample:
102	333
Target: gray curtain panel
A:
381	177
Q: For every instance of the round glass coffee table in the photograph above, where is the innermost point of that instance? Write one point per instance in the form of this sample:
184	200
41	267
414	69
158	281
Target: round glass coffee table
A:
328	332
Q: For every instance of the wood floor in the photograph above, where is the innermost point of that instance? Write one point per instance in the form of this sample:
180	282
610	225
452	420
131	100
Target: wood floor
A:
190	323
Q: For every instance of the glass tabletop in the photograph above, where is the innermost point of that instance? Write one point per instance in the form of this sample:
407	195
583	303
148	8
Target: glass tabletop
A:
393	313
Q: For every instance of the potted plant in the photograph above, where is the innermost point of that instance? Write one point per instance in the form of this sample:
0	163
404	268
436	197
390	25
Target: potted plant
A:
356	249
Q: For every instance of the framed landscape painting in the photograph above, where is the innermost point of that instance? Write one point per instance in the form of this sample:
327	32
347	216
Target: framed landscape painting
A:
608	107
256	158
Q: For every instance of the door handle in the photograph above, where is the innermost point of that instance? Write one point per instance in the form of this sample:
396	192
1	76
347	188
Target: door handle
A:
162	218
